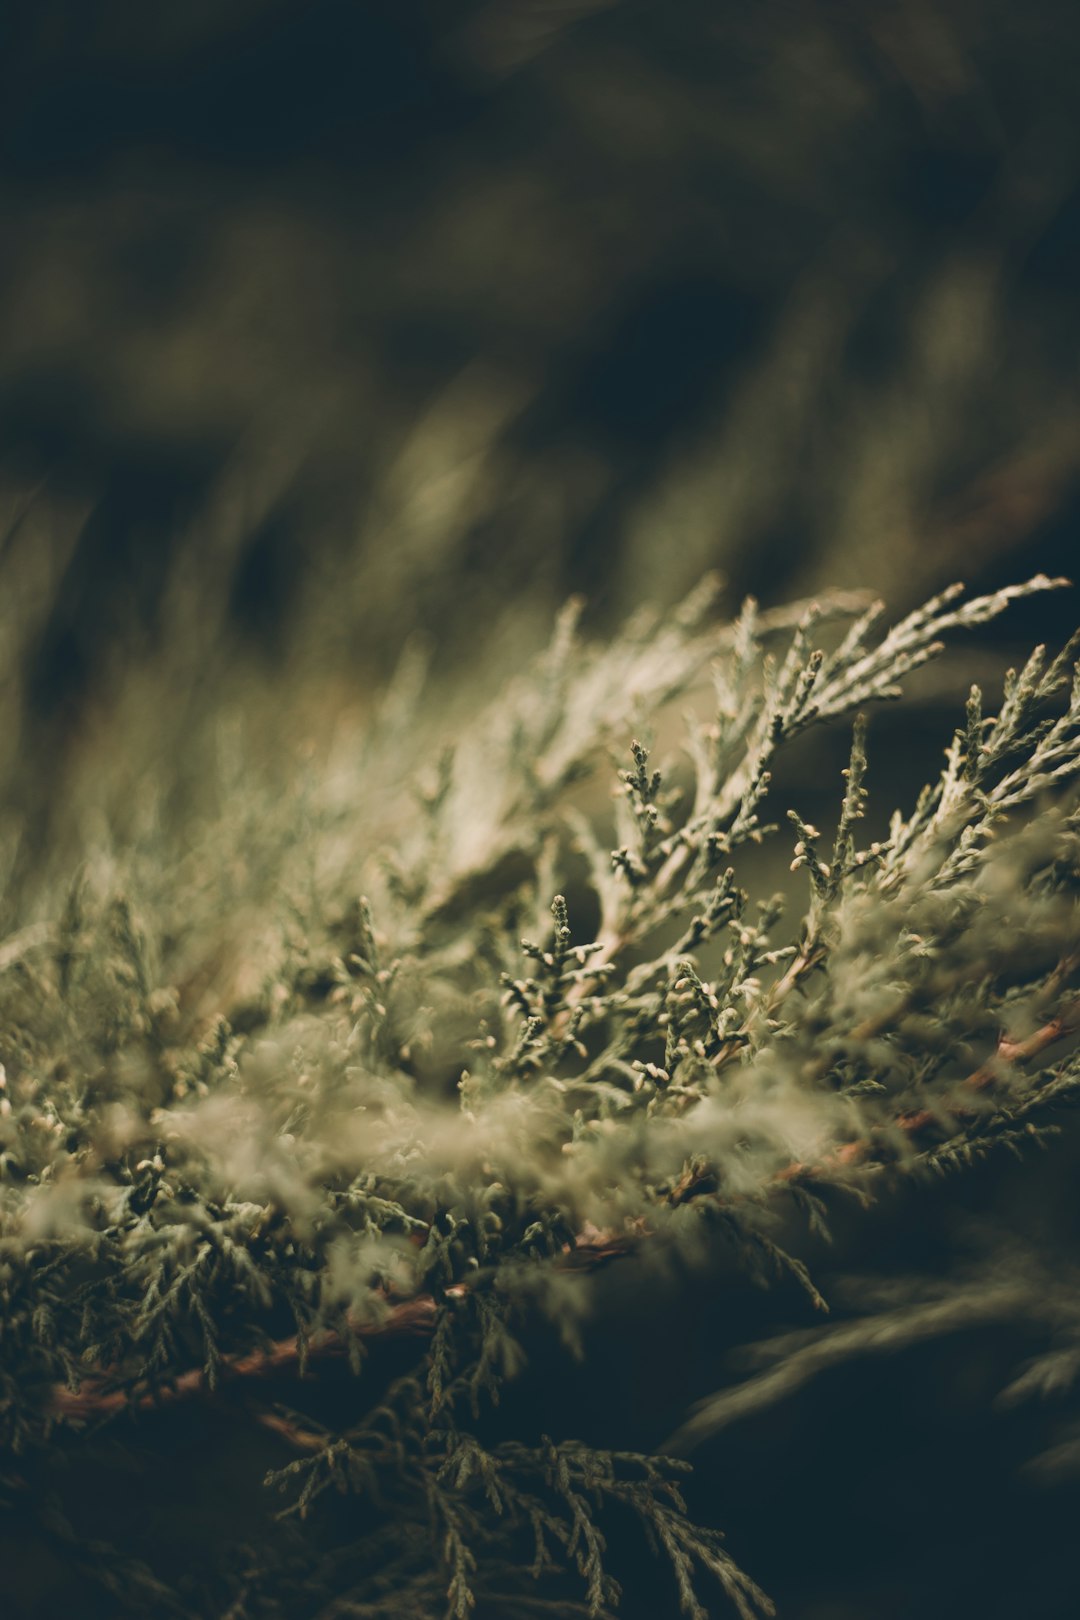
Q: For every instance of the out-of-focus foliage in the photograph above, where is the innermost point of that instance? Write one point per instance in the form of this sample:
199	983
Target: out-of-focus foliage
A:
353	1072
325	324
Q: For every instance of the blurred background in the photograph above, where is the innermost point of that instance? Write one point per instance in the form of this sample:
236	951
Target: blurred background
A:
325	325
331	329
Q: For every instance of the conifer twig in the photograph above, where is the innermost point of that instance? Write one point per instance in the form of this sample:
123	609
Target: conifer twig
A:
161	1196
417	1316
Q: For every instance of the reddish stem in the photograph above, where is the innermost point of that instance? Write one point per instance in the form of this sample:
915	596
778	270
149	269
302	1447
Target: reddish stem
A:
594	1248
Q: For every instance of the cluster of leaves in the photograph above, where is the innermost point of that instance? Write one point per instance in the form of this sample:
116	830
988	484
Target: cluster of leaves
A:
398	1117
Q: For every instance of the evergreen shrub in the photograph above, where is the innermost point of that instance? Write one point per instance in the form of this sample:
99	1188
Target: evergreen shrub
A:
321	1129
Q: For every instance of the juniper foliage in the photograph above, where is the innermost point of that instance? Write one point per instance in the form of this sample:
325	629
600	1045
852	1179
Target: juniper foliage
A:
353	1069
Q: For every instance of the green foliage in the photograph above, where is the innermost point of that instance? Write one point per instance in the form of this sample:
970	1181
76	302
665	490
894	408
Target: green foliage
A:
253	1125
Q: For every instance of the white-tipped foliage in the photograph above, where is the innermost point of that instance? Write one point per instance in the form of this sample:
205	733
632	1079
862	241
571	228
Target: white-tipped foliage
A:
245	1097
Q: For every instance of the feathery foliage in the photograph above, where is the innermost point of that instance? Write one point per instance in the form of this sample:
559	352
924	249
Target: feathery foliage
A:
406	1059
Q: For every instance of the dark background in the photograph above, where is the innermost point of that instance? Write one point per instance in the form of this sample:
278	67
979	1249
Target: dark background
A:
328	324
324	323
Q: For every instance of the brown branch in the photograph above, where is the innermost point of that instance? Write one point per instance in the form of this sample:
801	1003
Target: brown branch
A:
1009	1052
700	1180
293	1434
100	1396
